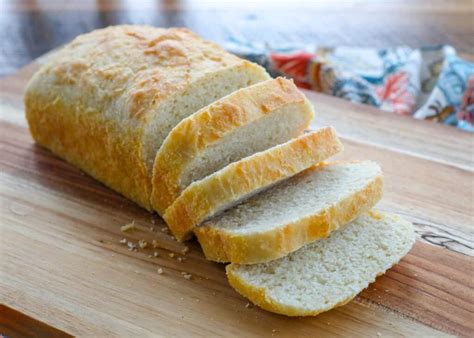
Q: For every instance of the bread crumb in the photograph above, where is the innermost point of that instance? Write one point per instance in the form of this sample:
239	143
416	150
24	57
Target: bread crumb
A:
155	244
153	221
123	241
131	246
142	244
375	215
186	275
156	254
150	256
185	250
165	230
171	254
247	305
273	331
151	229
181	259
160	271
128	227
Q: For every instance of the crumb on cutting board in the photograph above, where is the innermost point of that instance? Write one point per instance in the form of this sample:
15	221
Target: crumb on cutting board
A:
131	246
128	227
156	244
142	244
186	275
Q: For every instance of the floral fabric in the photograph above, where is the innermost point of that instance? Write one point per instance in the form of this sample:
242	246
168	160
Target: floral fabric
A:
430	83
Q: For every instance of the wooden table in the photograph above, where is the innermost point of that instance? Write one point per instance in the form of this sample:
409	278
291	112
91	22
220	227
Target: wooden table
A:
30	28
64	271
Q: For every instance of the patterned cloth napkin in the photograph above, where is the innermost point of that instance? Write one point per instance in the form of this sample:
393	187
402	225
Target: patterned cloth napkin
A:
430	83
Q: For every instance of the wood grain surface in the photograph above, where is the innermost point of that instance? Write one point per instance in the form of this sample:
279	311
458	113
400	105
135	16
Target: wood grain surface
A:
30	28
14	323
62	264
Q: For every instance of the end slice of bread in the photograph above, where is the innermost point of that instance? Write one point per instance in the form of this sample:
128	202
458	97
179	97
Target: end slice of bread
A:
295	212
329	272
247	121
242	179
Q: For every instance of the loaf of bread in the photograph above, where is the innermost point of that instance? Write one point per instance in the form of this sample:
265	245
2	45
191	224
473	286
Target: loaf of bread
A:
329	272
106	101
293	213
247	121
211	142
242	179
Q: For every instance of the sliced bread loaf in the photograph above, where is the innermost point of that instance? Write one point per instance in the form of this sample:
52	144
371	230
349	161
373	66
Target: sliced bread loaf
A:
329	272
106	101
295	212
242	179
247	121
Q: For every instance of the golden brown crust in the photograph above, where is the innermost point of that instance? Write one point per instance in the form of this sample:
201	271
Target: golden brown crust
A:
85	142
92	101
224	246
212	123
144	64
239	179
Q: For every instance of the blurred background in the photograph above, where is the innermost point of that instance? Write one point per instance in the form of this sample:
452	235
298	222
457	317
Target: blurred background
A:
30	28
409	57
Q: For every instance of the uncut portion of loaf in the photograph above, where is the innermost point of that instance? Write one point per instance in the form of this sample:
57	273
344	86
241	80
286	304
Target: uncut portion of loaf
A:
247	121
329	272
295	212
245	178
107	100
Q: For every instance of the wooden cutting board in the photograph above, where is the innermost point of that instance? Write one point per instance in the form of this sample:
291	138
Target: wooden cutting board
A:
64	271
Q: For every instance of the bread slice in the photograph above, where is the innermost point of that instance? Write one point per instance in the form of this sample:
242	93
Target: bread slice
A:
329	272
296	212
240	180
247	121
106	101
